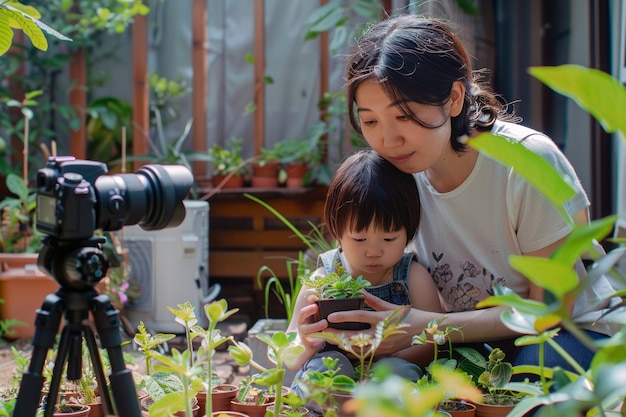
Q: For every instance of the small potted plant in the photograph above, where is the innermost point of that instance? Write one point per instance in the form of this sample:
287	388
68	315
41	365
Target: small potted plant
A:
438	335
300	157
229	166
498	399
337	291
266	167
266	388
221	394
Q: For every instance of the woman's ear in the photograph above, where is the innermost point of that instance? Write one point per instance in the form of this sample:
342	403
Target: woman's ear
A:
457	98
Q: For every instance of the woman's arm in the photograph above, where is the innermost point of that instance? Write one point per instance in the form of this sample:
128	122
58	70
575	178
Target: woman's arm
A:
478	325
424	296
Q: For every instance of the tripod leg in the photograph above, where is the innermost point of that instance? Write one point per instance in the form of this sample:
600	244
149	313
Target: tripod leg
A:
46	327
107	321
55	383
96	363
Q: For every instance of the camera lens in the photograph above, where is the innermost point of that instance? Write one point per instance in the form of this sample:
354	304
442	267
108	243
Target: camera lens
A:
152	197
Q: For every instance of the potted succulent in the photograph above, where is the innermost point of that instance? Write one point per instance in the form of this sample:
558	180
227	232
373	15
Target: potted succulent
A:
337	291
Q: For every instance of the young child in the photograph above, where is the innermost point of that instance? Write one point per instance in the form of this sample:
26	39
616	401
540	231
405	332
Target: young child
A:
372	210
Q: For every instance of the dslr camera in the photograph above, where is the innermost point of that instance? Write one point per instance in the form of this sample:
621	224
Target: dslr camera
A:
74	198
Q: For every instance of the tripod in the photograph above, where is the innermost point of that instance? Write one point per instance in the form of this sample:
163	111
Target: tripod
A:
77	266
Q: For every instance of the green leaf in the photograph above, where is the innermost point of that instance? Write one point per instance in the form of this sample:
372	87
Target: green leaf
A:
507	297
595	91
17	186
6	33
29	27
580	240
241	353
529	165
548	273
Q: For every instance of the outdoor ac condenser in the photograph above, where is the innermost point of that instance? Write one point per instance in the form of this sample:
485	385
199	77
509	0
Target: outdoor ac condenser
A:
171	267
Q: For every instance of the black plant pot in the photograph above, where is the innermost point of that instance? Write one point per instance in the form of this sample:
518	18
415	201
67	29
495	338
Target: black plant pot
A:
345	304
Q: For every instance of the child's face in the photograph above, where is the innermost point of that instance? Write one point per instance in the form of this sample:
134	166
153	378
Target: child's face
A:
372	252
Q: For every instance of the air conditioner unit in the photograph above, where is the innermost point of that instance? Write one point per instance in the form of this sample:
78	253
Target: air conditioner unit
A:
171	267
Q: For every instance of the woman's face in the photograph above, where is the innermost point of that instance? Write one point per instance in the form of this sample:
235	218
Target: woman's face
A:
408	145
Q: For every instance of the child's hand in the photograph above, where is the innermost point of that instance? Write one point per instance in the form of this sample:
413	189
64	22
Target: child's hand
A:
309	322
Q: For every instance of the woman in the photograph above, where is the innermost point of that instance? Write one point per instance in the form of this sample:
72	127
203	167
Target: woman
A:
415	98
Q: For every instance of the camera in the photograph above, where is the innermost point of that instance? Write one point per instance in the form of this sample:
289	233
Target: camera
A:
74	198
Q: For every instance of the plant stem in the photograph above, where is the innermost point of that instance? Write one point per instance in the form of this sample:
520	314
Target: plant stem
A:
568	358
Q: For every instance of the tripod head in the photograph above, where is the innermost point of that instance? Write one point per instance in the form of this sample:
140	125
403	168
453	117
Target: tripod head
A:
75	265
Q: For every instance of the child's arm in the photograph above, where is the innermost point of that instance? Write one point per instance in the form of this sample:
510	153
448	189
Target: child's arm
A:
305	320
424	296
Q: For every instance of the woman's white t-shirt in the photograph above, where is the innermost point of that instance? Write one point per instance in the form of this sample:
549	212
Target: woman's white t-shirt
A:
467	235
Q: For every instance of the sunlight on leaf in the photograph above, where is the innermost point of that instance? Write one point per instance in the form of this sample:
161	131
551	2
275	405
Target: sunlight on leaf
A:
597	92
531	166
555	277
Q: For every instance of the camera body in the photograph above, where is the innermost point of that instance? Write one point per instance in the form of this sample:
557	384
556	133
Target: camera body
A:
74	198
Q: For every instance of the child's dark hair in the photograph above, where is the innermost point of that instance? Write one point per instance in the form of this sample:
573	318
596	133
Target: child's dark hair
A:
417	59
367	188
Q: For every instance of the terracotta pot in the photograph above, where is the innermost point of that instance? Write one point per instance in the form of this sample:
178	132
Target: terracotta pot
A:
97	410
268	169
459	408
492	410
222	395
344	304
250	409
264	182
229	413
265	175
341	398
236	181
147	402
73	410
295	174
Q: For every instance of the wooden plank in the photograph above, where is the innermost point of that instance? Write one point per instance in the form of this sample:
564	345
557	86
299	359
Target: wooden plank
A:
259	76
141	108
242	240
200	75
238	264
78	101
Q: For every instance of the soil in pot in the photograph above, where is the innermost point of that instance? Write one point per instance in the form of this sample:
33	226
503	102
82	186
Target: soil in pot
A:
344	304
250	409
458	408
71	410
229	413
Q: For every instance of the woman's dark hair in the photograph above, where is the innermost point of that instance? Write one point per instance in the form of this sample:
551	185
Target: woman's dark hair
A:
367	188
417	59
